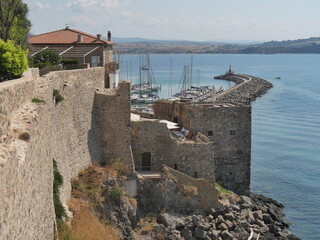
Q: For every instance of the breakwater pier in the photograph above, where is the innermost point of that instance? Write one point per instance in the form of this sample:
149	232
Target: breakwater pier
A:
247	89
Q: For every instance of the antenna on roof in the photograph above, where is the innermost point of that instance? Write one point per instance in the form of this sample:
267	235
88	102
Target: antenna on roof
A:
69	24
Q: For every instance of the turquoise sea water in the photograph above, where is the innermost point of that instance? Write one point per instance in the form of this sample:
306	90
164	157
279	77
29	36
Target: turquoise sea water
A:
285	125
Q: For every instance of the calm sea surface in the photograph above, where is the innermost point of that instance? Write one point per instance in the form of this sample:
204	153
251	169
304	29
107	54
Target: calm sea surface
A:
285	124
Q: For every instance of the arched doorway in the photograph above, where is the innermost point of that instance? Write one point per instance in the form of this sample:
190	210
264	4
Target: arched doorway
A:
146	161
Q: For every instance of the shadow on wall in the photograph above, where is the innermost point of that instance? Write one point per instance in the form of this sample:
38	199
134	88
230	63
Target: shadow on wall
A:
94	143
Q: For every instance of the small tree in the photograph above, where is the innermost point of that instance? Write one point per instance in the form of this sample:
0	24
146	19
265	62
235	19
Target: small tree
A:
13	60
46	58
14	22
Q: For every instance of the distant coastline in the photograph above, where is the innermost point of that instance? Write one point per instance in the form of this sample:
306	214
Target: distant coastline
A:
301	46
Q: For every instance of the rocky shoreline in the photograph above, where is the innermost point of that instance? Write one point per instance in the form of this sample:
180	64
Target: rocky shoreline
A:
240	217
234	217
248	88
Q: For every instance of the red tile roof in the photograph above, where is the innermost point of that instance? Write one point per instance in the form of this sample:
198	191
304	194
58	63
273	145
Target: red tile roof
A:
66	36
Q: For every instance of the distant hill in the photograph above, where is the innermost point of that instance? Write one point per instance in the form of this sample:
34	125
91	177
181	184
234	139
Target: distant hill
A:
143	45
310	45
132	40
136	40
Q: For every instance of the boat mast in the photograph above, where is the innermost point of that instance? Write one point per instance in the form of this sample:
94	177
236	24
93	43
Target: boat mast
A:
191	66
188	78
170	80
130	69
127	70
149	79
140	73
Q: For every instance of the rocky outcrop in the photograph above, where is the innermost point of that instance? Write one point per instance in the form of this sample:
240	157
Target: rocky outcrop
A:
239	217
120	212
247	89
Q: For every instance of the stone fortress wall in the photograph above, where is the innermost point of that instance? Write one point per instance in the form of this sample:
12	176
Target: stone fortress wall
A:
112	112
151	136
25	173
33	134
226	121
228	127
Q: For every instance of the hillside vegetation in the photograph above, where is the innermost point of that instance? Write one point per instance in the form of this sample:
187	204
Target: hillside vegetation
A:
310	45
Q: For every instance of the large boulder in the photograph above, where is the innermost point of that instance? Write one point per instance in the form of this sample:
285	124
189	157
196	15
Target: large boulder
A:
258	215
171	220
266	218
200	233
186	233
214	234
229	216
226	235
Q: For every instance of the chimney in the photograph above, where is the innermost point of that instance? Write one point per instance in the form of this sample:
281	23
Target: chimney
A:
98	36
79	38
109	36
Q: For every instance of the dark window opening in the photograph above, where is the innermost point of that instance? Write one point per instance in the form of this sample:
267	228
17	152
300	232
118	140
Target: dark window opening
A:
195	174
176	166
210	133
107	81
146	161
232	132
176	119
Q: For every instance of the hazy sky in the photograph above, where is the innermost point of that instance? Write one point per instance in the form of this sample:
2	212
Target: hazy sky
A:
201	20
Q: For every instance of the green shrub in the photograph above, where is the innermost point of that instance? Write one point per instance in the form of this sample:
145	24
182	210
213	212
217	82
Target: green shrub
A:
69	61
45	58
13	60
37	100
64	230
55	68
58	97
222	189
116	194
57	183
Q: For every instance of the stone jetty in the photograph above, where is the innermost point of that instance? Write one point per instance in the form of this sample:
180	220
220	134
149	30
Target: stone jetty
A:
247	89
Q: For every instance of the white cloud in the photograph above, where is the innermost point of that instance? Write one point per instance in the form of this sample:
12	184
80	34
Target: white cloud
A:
41	5
83	20
92	5
127	14
159	21
221	22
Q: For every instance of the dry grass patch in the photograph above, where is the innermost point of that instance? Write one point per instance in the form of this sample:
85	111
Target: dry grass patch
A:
133	202
121	167
90	184
146	224
86	226
88	199
188	190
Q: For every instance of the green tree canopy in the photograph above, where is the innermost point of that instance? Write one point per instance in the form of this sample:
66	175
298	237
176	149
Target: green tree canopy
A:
13	60
45	58
14	22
